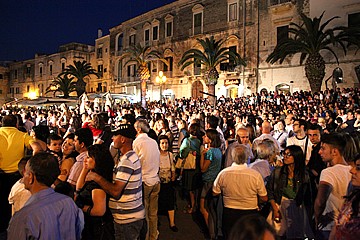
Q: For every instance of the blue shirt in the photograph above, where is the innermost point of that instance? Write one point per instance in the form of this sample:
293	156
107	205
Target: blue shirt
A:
215	157
47	215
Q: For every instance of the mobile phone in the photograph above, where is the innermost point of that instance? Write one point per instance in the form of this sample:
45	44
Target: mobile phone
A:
206	145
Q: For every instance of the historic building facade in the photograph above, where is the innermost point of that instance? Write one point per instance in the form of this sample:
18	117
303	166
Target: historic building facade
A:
250	27
30	78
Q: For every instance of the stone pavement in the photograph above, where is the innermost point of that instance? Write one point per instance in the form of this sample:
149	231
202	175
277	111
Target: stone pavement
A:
188	224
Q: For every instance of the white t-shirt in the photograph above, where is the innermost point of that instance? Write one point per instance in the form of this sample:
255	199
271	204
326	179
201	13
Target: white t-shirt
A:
301	143
338	177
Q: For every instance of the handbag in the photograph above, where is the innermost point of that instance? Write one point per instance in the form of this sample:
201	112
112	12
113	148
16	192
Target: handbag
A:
188	163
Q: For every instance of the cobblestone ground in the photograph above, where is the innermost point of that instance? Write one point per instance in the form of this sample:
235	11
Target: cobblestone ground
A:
189	225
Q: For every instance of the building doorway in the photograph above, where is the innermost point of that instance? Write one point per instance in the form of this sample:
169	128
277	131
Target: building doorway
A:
233	92
196	88
284	88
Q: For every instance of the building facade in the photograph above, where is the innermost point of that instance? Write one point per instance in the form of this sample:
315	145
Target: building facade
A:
250	27
30	78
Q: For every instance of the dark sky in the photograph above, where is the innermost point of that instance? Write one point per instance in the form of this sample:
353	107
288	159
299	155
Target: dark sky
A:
40	26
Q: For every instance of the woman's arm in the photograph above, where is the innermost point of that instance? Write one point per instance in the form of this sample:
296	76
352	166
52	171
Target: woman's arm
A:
99	200
65	168
204	163
81	180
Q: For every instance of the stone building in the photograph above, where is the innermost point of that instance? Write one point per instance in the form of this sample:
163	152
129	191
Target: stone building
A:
4	82
30	78
250	27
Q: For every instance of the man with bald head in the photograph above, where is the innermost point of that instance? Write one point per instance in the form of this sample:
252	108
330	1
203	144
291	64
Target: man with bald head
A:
242	137
265	130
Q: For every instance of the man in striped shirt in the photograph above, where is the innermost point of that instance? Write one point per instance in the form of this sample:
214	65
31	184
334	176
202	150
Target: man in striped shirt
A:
126	189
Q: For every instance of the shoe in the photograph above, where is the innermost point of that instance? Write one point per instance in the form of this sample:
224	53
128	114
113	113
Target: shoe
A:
174	228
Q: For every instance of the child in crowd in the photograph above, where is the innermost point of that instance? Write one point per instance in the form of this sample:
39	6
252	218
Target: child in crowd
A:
19	195
54	143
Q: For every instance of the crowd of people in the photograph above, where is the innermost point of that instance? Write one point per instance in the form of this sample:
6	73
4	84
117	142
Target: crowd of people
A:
265	166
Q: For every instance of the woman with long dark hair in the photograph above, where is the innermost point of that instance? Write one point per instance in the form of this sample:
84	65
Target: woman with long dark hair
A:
91	198
287	189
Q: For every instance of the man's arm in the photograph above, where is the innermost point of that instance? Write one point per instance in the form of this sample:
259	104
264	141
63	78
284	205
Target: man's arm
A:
322	196
113	189
35	147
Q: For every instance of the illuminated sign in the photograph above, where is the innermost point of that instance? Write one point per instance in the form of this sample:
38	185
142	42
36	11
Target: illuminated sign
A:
228	82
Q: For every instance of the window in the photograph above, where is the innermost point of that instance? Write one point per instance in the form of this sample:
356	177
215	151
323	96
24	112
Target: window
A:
99	87
197	23
275	2
170	67
354	20
231	65
147	35
120	42
233	12
28	70
16	74
17	90
62	66
131	70
100	70
1	76
155	33
51	69
197	11
40	71
169	30
282	34
119	77
27	88
99	52
132	39
197	68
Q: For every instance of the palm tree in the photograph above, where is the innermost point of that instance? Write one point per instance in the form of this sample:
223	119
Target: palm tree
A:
309	39
142	56
211	55
80	70
62	84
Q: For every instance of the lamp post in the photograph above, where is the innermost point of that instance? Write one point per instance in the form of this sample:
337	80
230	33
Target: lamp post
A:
160	79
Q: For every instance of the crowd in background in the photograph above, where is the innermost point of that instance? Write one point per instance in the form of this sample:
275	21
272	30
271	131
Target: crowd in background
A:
288	161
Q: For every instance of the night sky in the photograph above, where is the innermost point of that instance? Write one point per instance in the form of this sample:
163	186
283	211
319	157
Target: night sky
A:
41	26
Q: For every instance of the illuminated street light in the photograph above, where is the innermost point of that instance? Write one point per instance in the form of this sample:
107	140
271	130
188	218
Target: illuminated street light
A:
160	79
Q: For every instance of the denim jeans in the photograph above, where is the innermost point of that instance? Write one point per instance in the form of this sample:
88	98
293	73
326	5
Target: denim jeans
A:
151	196
131	231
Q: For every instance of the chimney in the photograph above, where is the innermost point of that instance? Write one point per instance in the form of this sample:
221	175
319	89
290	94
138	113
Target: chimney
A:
100	33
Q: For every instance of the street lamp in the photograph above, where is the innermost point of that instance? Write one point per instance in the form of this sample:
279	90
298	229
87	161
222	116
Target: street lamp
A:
160	79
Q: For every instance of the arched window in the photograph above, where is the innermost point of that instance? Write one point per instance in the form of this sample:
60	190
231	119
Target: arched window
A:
120	42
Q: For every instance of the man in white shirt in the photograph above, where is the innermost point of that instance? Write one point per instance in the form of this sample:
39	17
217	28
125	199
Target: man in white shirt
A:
148	151
333	183
240	186
301	139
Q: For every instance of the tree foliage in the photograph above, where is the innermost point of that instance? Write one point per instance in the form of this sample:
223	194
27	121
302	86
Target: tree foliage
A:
312	39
